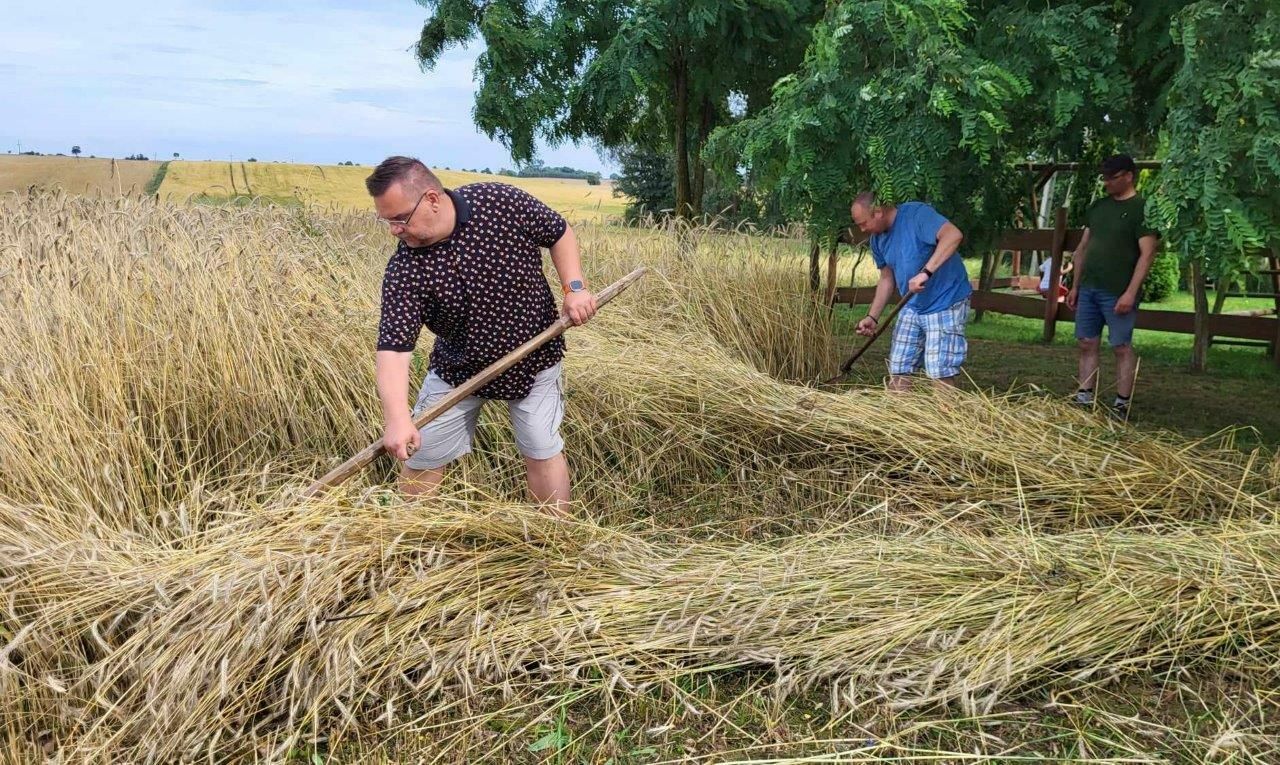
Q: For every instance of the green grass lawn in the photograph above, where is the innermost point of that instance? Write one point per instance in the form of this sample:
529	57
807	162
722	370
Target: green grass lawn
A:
1006	352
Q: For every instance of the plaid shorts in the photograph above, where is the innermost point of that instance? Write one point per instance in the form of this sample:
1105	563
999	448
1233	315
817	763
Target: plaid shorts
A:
935	341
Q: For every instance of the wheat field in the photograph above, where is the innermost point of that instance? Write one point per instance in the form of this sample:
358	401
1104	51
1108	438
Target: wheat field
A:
337	186
114	176
343	186
757	568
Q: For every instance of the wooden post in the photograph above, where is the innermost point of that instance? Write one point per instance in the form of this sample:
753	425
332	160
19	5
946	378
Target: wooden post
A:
1273	271
1055	275
1200	347
1017	262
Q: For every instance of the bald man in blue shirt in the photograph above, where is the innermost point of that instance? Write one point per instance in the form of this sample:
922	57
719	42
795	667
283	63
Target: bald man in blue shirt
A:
914	248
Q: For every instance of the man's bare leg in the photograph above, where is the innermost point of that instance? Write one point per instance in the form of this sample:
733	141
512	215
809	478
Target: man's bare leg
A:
549	482
899	382
1088	362
420	483
1126	368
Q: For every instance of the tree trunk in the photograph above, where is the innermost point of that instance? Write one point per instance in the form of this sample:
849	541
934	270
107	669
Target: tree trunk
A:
684	191
699	181
985	277
833	264
814	274
1200	347
1220	290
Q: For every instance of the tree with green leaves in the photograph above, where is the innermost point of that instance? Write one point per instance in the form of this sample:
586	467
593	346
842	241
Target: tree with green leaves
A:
646	178
1218	194
75	151
660	74
942	100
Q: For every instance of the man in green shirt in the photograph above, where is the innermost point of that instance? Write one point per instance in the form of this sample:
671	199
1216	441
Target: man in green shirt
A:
1113	258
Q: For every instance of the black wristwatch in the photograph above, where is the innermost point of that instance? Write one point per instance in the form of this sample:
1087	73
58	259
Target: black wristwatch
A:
926	272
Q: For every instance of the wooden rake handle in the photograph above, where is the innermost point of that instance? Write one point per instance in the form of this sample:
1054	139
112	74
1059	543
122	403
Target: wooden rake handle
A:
371	452
880	328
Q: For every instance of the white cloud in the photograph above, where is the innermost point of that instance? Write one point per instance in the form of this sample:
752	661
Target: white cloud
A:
315	81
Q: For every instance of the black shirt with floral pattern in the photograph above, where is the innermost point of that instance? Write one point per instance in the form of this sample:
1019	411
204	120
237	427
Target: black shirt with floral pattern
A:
481	291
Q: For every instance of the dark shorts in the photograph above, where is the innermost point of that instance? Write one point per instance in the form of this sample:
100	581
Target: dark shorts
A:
1094	308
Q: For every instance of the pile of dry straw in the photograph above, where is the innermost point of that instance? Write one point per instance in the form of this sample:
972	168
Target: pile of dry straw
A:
173	376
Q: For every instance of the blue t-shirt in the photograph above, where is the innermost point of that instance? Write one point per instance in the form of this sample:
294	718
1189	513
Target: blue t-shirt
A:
907	246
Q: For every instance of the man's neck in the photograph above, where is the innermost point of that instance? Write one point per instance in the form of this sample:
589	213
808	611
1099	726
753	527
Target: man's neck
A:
448	218
1128	193
892	215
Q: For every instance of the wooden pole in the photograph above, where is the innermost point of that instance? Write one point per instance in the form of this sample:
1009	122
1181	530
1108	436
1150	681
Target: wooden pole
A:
371	452
1273	270
1055	275
880	328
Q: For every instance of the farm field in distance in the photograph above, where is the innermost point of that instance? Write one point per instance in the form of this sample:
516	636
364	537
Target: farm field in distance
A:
341	186
77	176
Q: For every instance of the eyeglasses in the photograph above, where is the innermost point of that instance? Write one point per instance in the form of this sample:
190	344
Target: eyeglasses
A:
404	221
1112	176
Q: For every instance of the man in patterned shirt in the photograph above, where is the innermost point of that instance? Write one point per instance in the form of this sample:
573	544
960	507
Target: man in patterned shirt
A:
469	267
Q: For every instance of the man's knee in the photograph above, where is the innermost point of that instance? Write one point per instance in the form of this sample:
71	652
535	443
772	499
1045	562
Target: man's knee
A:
1088	344
1122	351
544	461
417	483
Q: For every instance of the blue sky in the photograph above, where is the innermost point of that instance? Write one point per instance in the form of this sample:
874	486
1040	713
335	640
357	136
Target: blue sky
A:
320	81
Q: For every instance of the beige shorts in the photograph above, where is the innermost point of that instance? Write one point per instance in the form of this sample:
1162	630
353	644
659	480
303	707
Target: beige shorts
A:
535	418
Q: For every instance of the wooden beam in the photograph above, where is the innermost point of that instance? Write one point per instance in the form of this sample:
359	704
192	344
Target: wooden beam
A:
1053	167
1182	322
1013	239
1038	239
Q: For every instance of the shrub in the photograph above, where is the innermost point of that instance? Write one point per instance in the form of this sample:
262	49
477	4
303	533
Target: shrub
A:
1162	280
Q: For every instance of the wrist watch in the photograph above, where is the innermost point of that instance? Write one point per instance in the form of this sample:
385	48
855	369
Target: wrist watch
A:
574	285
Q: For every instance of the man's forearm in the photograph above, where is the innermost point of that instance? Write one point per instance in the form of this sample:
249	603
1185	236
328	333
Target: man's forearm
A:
946	247
392	373
1078	258
567	257
884	288
1145	258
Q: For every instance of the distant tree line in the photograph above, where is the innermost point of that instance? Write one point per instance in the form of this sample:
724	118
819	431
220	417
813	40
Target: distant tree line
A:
537	169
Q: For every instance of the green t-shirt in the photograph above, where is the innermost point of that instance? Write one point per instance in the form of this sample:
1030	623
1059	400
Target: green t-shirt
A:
1114	231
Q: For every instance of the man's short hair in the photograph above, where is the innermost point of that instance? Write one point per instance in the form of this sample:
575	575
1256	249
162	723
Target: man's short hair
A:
1119	163
408	171
866	199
